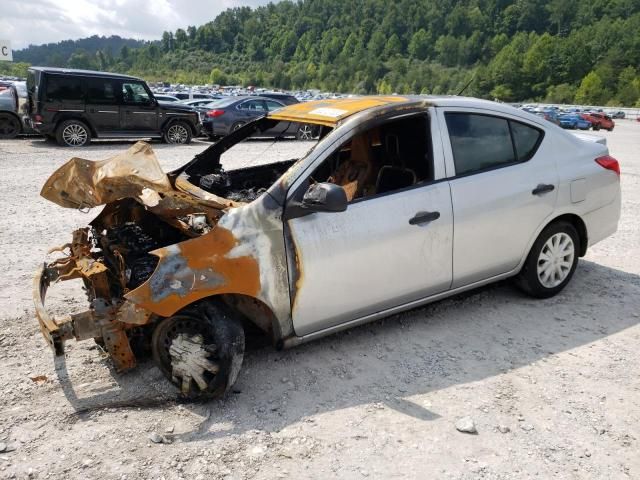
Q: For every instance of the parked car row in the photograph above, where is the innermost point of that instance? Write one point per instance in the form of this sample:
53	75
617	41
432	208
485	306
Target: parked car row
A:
574	118
73	107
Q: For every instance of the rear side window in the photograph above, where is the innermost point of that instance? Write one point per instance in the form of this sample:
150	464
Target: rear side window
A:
273	105
101	91
64	89
482	142
525	140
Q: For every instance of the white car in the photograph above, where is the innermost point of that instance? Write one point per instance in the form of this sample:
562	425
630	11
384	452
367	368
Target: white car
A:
402	201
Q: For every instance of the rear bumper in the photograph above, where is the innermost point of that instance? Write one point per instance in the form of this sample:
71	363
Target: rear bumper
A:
603	222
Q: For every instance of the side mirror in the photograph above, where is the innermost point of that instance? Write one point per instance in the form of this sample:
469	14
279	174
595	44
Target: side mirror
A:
325	197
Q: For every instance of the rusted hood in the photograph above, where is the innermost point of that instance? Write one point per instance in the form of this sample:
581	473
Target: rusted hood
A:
81	183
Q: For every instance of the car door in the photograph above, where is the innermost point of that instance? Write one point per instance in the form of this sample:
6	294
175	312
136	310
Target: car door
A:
250	110
383	251
282	128
103	107
504	185
138	110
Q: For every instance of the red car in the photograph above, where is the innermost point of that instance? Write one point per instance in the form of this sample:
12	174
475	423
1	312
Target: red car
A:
599	120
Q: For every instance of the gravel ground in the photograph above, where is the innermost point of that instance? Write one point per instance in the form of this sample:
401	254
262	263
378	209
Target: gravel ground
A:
551	386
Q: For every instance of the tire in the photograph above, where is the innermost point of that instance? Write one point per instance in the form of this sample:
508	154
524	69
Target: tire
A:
610	129
236	126
305	132
596	127
9	126
557	247
177	133
73	133
211	338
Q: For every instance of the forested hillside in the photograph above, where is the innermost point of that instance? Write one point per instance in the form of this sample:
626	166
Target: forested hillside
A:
70	52
586	51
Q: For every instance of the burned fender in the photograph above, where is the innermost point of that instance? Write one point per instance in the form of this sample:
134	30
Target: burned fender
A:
195	269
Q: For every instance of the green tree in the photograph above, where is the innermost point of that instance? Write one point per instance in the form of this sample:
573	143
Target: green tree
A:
217	77
420	44
591	90
628	87
563	93
377	43
81	59
393	46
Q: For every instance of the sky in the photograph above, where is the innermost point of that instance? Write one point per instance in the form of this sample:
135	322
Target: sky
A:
25	22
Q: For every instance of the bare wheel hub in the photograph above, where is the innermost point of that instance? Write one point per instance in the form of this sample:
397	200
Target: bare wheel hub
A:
190	360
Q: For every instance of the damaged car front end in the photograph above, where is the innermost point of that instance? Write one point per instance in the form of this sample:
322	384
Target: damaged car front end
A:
179	265
164	243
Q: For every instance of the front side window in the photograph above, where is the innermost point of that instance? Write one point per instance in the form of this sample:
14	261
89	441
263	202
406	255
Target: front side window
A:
64	89
482	142
391	157
273	105
101	91
134	93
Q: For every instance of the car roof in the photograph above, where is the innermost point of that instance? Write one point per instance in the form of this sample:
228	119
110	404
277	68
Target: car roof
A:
73	71
330	112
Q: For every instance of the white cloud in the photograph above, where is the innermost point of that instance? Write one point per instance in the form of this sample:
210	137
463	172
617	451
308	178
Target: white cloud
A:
25	22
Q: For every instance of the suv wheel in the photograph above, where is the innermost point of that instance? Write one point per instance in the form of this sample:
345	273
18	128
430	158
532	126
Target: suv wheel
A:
177	133
73	133
9	126
551	261
200	350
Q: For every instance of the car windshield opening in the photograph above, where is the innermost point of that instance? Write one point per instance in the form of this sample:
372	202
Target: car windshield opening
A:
243	165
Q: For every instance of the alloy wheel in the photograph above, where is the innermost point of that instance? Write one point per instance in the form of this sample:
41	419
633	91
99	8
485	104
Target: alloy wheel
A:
74	135
305	132
177	134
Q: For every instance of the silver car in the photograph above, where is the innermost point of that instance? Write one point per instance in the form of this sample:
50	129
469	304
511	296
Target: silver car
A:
402	201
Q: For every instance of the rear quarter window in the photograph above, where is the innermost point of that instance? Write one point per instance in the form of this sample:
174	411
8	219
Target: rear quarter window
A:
64	89
526	140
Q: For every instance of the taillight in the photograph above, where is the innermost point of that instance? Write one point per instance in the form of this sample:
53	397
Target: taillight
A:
214	113
609	163
37	118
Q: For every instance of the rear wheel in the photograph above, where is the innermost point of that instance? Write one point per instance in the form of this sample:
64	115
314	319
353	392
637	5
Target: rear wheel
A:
551	261
9	126
236	126
596	127
73	133
200	350
177	133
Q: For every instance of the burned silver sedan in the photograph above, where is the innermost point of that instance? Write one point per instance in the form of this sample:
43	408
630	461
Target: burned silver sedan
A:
402	201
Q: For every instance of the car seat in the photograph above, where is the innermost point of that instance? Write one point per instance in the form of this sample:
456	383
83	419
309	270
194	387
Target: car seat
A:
394	174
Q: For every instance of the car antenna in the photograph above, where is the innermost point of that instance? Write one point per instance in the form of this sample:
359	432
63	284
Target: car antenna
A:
466	86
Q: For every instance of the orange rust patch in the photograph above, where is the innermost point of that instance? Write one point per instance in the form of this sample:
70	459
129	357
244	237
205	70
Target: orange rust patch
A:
206	258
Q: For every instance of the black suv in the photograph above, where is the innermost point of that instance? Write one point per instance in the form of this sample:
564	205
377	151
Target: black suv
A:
73	106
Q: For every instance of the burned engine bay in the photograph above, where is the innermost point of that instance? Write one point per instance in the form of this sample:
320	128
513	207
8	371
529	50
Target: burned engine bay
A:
148	217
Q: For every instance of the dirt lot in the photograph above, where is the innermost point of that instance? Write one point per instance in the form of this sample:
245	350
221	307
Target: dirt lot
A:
551	385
